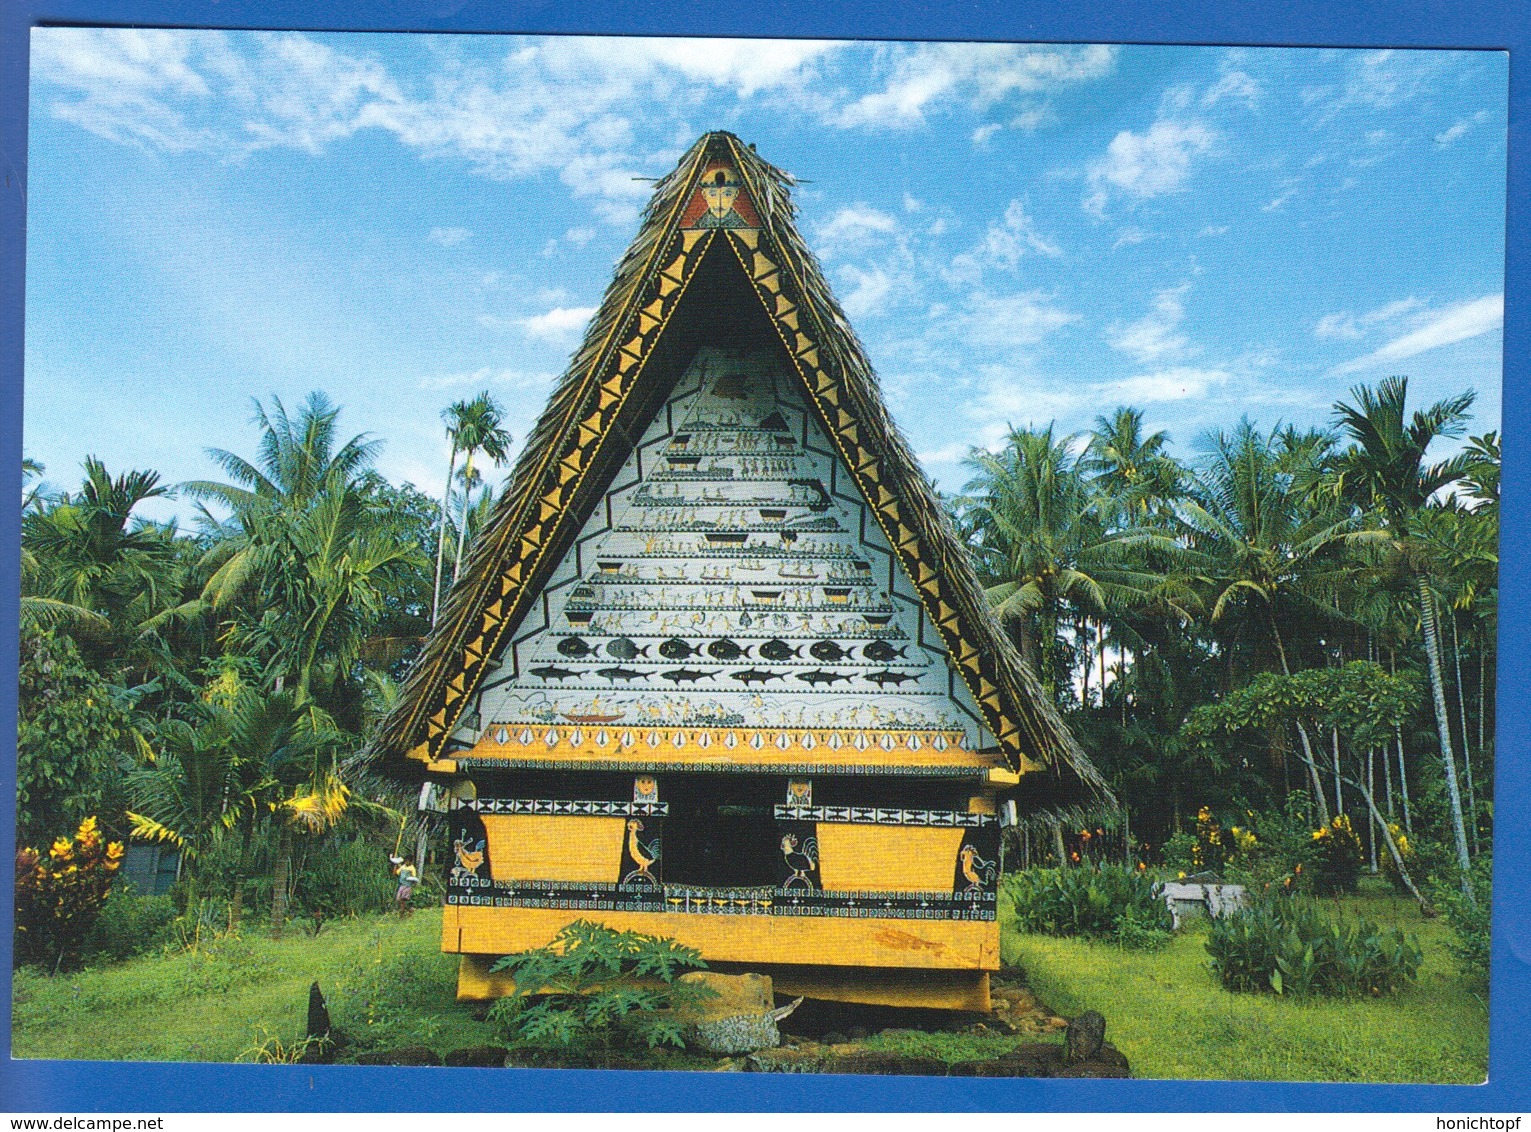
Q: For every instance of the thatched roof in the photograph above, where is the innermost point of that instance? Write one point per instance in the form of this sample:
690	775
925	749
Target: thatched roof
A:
601	402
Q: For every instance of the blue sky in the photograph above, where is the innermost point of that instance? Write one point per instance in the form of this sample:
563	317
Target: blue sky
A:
1020	233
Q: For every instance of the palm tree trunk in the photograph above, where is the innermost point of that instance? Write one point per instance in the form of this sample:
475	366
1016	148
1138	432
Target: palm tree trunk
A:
1403	783
237	897
1371	779
441	537
1443	729
1339	798
279	875
1302	732
1063	857
462	528
1467	751
1100	640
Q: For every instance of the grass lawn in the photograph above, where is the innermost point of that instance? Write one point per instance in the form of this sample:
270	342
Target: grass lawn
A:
1168	1014
385	979
388	986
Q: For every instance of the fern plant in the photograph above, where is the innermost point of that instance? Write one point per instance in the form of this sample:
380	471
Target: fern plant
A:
593	988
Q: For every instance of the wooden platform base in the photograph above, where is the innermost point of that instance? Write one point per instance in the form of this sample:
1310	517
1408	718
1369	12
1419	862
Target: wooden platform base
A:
929	990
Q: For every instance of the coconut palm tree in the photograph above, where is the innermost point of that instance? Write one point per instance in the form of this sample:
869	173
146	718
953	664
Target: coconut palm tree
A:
1269	551
478	431
91	566
472	427
1386	472
1042	545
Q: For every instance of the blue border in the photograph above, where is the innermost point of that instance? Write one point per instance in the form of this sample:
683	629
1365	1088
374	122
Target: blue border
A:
1503	24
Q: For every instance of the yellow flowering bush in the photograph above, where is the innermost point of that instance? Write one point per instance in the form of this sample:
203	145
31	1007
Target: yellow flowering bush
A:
1405	850
59	897
1336	860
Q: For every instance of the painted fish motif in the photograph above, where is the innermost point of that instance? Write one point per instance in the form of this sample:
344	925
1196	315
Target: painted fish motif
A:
882	652
575	647
819	676
678	676
778	650
726	650
623	674
887	676
551	672
755	676
623	648
827	651
677	649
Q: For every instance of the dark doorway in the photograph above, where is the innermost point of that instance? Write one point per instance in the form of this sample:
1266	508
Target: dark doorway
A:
721	833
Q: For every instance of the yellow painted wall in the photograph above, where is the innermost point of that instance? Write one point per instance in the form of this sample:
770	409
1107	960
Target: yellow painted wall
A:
971	945
547	847
887	858
931	990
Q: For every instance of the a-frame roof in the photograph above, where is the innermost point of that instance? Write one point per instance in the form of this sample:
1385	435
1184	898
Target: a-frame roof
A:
602	401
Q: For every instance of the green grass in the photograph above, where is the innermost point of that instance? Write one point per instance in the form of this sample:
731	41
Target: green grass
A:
385	979
1166	1011
388	985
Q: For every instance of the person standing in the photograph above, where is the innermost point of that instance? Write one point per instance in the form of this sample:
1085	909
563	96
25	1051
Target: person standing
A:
408	876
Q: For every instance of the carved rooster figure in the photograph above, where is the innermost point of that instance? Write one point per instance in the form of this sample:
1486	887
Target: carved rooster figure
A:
975	869
643	855
468	860
800	862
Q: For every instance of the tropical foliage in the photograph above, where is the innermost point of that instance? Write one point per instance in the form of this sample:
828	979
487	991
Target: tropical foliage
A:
1280	613
202	684
1287	945
595	988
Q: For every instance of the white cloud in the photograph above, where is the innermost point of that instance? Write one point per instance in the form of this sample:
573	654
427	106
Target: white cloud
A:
930	77
556	324
1154	337
579	237
449	237
982	134
1235	85
1343	324
1177	383
1147	165
856	226
1214	230
1128	236
554	104
1010	321
486	376
1456	130
1454	324
869	290
1278	202
1003	245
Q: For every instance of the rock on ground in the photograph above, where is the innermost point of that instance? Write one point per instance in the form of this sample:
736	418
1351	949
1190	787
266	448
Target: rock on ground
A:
736	1017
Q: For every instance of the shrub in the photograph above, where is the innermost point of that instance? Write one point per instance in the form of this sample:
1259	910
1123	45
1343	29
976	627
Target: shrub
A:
1336	863
131	924
593	987
1179	853
1100	901
1208	851
345	876
59	897
1286	945
1469	922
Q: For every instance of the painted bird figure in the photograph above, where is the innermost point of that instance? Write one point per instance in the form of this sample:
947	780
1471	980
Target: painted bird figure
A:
643	855
800	862
468	860
975	870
